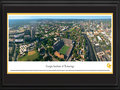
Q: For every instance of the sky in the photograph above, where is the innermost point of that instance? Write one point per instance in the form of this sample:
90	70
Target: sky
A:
57	17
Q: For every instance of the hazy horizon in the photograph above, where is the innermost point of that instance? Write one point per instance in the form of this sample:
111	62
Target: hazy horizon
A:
59	17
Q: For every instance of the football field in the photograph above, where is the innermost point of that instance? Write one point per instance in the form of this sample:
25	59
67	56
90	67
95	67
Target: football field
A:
64	49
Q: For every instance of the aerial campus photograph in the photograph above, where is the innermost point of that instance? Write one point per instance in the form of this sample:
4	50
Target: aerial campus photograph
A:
60	38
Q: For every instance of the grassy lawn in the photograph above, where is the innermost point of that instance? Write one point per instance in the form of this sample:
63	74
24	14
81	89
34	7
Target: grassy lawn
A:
64	49
29	57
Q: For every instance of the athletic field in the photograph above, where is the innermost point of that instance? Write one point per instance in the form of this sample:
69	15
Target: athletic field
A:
31	56
64	49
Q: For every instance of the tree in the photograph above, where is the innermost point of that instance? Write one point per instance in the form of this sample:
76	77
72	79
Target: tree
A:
40	58
50	50
75	55
79	57
62	60
48	58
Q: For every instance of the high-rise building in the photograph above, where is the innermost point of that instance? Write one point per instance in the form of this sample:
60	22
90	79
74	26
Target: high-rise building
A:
32	31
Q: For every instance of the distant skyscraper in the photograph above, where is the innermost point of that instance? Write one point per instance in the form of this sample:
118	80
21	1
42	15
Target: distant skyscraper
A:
32	31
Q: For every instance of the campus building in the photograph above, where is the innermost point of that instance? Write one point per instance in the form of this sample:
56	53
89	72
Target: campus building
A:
58	45
23	49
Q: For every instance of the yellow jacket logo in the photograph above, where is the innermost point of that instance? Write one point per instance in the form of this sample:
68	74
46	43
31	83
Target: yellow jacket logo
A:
109	65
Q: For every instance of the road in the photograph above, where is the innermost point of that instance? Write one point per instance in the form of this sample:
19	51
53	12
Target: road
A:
91	52
54	59
15	54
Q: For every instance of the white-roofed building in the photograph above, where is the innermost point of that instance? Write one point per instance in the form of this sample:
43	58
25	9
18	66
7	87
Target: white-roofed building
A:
23	49
99	38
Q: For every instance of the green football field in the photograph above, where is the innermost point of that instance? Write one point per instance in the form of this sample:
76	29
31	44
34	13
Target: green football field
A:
64	49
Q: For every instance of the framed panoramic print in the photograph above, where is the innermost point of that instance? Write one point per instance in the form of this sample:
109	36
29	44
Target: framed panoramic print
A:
58	44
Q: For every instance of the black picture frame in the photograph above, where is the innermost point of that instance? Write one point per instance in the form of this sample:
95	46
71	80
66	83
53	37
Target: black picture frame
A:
53	81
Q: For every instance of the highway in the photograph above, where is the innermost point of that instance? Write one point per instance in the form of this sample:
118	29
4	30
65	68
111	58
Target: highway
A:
91	53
